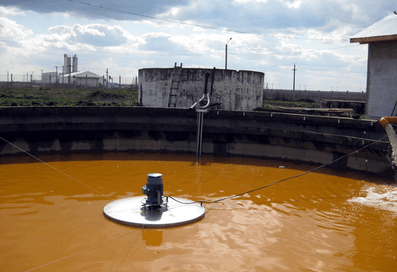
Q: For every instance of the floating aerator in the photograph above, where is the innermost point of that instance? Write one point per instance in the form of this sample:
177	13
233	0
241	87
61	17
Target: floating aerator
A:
154	210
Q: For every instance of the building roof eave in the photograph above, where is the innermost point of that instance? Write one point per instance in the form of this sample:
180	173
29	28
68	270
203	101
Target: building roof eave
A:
365	40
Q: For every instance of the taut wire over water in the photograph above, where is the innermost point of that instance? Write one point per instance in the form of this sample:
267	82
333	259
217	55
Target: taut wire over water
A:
84	250
34	157
279	181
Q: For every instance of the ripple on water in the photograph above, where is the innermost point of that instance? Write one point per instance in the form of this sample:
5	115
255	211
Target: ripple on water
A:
315	222
384	198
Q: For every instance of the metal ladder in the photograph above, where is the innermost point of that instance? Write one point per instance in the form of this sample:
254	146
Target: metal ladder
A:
175	79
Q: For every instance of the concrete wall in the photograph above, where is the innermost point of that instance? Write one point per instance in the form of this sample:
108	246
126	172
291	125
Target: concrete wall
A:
381	79
282	136
233	90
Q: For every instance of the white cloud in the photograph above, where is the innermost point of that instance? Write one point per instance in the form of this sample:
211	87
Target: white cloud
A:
306	32
250	1
4	11
94	34
12	31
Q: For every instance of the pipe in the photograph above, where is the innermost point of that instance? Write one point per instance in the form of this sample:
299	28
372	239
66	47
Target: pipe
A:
198	102
386	123
200	124
207	75
212	79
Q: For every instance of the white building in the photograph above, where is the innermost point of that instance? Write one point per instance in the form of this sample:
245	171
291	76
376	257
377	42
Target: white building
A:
83	79
381	38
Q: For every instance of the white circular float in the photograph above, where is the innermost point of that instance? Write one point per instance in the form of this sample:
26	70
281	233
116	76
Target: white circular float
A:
154	210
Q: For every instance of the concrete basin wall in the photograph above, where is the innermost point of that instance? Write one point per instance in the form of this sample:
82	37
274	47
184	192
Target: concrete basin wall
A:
312	139
232	90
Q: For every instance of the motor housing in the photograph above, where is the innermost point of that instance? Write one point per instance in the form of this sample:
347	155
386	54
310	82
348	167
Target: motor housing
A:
154	190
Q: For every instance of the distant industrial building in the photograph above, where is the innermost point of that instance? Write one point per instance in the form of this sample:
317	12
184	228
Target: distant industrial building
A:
67	64
69	74
381	37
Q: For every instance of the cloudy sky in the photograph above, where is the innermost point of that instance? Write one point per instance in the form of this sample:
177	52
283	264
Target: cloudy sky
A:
269	36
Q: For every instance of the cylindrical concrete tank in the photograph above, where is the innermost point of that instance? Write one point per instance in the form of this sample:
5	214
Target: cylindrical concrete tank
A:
232	90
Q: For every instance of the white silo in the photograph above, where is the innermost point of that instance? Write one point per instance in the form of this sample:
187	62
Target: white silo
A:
67	63
75	62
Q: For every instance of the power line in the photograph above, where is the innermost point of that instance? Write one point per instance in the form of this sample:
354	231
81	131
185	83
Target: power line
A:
198	25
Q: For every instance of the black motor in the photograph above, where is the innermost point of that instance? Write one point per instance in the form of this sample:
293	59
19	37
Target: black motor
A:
154	190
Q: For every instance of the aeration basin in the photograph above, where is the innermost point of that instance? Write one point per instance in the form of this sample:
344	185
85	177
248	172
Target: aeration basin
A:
322	221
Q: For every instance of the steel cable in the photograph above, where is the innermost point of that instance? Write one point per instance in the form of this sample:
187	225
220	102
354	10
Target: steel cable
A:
279	181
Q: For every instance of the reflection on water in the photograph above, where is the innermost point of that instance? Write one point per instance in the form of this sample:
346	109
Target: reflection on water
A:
152	215
322	221
152	237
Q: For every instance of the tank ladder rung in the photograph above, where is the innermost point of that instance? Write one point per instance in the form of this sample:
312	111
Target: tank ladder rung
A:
176	78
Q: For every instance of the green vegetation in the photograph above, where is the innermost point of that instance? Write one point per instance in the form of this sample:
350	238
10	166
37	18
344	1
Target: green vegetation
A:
64	97
273	104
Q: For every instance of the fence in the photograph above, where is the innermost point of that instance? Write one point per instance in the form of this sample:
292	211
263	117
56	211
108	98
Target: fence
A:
30	81
53	81
290	95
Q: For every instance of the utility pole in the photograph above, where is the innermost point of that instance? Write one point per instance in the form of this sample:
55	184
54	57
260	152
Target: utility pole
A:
56	74
63	74
293	86
107	77
226	53
69	72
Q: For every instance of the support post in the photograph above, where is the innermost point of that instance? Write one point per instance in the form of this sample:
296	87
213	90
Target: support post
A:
200	124
226	58
293	86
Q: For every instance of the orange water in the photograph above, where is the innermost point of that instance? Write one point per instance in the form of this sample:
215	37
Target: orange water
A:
51	222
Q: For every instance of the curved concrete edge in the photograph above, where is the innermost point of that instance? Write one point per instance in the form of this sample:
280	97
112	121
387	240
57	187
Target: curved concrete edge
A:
314	139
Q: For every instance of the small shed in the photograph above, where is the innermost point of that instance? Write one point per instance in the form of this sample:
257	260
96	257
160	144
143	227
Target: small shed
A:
381	38
86	79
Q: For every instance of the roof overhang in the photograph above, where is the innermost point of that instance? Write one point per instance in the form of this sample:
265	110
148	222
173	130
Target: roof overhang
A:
364	40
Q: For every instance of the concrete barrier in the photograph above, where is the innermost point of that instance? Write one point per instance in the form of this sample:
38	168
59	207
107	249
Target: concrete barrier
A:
282	136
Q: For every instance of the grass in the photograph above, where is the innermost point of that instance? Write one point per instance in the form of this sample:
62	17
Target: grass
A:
64	97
